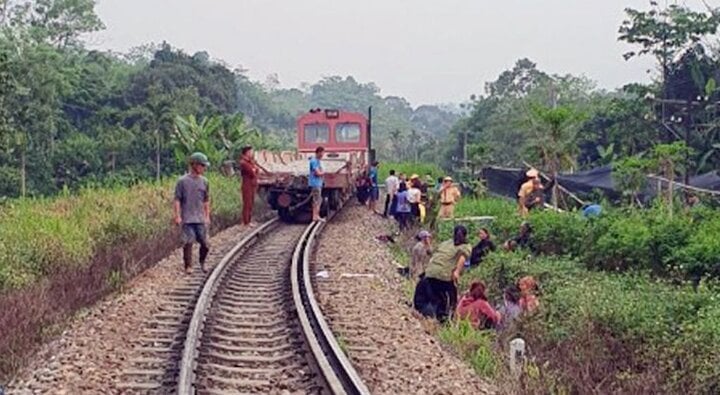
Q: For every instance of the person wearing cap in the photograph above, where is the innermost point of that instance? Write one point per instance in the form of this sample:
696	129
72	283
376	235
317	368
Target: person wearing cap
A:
528	195
449	196
420	255
192	209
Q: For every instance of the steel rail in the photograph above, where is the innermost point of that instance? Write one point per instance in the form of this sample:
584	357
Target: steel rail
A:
339	374
186	378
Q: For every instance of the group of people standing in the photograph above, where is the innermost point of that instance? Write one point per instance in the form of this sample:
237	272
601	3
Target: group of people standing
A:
407	200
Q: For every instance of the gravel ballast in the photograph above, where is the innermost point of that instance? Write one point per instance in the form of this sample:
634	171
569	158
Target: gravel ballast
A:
94	349
363	301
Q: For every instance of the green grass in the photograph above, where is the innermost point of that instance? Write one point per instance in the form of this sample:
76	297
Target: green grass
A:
475	347
38	236
617	312
628	324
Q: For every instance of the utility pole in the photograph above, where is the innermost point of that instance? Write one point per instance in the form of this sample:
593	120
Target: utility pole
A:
465	160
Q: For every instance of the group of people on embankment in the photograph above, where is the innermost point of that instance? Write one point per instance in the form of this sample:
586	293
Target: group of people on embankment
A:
437	272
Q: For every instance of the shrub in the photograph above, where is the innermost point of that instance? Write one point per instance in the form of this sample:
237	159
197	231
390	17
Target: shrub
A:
619	243
559	234
505	224
701	255
606	332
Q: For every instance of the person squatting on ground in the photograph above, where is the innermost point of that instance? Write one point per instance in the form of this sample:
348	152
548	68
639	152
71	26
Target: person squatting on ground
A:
522	240
449	196
420	255
249	170
362	185
315	181
374	189
442	275
402	207
474	307
391	187
192	209
530	193
481	249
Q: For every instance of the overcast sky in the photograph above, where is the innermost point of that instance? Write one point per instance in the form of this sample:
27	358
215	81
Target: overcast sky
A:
429	51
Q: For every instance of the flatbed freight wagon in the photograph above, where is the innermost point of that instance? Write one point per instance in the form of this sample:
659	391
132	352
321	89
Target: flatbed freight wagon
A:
345	136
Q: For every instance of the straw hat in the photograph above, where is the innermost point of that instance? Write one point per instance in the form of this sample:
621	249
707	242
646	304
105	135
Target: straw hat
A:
532	173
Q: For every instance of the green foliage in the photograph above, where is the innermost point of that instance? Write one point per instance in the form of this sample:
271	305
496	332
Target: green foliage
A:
700	255
474	346
629	174
626	326
559	234
623	244
665	32
38	236
680	246
504	225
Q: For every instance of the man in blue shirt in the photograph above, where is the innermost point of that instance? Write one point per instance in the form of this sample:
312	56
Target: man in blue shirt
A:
315	181
374	190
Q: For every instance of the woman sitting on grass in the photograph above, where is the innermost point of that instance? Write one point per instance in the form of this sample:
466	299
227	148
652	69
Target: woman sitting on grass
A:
474	307
528	289
510	310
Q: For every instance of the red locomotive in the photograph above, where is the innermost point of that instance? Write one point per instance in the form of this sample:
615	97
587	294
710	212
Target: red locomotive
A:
346	139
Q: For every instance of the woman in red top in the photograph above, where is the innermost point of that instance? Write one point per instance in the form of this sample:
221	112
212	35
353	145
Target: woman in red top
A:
249	171
474	307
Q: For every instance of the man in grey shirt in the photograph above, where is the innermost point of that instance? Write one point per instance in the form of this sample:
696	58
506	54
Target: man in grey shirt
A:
192	209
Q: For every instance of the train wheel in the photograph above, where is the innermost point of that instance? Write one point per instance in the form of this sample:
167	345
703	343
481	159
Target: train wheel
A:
334	200
285	215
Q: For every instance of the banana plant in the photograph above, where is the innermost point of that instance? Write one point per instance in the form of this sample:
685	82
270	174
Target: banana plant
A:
190	136
607	154
236	133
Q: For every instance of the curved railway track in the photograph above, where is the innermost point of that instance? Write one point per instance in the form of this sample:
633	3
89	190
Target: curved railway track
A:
253	327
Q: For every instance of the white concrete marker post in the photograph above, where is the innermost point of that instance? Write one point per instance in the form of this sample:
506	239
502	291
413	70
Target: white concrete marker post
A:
517	356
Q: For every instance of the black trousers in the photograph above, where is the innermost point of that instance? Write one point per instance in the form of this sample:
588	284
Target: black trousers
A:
444	296
388	200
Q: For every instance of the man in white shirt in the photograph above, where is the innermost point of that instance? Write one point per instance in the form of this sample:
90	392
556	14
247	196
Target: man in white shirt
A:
414	195
391	186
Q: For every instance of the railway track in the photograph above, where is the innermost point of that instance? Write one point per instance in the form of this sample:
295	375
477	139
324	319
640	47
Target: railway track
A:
253	327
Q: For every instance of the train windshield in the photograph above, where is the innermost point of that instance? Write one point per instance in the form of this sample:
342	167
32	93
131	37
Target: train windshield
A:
316	133
347	132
